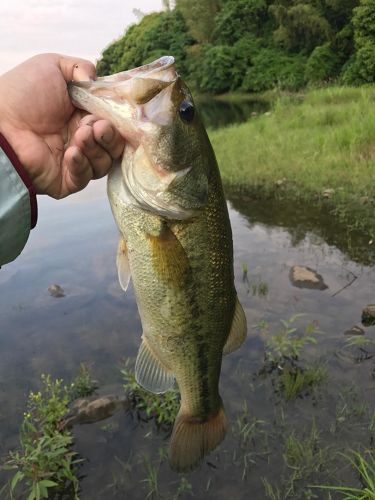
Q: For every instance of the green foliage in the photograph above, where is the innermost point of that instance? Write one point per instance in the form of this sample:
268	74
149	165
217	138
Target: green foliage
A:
365	467
294	381
216	69
238	19
200	17
157	34
253	45
271	68
362	68
322	65
84	385
323	138
45	461
301	26
288	342
162	408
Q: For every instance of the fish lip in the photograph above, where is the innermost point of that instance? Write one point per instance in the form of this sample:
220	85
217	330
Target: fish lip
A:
147	70
150	70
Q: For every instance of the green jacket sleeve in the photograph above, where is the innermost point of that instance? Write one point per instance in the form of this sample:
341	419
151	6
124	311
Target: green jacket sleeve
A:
17	204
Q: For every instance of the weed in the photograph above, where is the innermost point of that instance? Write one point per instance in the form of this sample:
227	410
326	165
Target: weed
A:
361	343
45	460
293	381
271	492
184	489
366	471
152	480
286	344
304	457
83	385
162	408
249	431
349	406
260	289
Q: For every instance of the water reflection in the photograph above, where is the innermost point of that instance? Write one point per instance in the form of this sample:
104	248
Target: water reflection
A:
301	220
217	113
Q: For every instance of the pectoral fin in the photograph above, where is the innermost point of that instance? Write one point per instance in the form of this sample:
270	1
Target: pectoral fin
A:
169	258
150	373
238	331
122	261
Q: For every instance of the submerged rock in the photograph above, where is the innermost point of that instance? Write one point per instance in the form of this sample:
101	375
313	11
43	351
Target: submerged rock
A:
56	291
368	315
354	330
88	410
305	277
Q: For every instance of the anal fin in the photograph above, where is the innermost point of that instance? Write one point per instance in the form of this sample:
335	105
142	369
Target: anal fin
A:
238	331
150	373
122	261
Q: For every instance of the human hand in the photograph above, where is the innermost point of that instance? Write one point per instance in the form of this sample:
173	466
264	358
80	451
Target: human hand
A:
61	148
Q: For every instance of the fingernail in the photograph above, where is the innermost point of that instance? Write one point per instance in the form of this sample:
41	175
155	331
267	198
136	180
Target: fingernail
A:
108	135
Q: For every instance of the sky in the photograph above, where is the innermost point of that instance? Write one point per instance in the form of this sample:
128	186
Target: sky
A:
81	28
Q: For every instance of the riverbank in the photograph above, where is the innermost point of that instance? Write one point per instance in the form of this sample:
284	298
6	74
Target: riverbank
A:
316	147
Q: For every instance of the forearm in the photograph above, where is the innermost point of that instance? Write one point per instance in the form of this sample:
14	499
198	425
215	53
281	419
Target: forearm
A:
18	208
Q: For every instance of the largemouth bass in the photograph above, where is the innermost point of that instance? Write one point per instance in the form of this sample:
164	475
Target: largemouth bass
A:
176	244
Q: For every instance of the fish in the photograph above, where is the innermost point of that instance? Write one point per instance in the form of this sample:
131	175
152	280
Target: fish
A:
175	244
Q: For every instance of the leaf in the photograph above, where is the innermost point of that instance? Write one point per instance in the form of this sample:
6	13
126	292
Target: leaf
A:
47	483
16	478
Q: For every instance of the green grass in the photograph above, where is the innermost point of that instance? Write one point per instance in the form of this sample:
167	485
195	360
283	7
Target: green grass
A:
365	468
324	139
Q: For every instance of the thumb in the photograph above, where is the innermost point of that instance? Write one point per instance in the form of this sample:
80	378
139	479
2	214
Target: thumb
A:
76	69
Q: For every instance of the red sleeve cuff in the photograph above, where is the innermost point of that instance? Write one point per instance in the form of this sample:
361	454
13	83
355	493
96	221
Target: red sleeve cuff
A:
8	150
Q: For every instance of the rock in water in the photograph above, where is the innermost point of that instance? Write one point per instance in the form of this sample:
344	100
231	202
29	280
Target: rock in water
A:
88	411
305	277
56	291
368	315
354	331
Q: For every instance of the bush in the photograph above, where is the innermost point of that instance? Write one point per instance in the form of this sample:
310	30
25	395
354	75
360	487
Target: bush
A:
322	65
272	68
237	18
216	69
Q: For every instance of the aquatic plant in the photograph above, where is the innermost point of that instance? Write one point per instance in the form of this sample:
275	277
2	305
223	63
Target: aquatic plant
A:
365	467
151	480
83	385
162	408
294	381
45	460
288	342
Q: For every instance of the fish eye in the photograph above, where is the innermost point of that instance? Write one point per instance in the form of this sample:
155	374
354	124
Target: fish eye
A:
187	111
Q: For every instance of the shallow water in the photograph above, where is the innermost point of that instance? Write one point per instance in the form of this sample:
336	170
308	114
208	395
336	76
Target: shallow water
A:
74	246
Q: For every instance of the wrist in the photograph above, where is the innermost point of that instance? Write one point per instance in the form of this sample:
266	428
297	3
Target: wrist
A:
13	158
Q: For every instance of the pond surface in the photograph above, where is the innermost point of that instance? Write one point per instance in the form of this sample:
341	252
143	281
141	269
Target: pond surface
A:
218	112
74	246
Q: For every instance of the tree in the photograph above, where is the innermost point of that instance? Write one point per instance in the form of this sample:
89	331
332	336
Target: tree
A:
301	27
200	17
363	67
237	18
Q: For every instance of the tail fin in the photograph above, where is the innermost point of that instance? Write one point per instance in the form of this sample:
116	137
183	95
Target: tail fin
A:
191	439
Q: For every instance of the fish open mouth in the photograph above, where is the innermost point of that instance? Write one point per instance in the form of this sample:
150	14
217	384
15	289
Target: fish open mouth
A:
161	69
